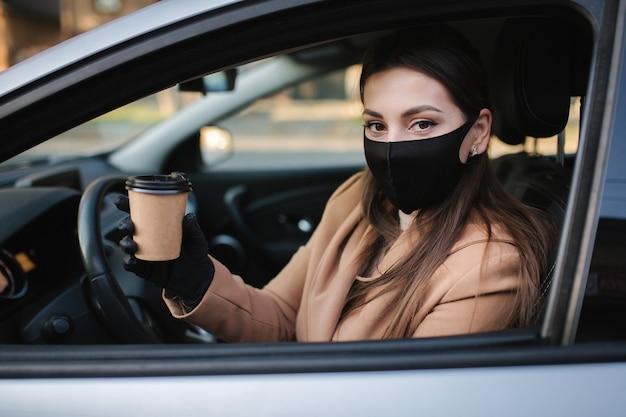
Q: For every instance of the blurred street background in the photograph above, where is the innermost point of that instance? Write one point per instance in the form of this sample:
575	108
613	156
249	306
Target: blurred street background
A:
322	116
30	26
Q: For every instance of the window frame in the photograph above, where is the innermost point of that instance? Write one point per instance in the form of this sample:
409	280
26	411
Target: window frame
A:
520	347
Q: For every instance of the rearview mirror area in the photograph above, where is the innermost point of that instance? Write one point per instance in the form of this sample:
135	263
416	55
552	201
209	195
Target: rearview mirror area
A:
217	82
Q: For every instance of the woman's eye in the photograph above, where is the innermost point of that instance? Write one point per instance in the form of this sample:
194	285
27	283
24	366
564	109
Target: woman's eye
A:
375	127
423	124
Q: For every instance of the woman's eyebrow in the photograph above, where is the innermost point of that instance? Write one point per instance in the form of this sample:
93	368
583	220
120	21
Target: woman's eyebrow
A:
372	113
410	112
418	109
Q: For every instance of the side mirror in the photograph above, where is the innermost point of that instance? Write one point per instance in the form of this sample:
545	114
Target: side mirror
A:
216	145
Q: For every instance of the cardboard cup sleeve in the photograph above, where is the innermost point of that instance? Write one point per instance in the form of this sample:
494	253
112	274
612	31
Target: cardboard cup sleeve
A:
157	208
158	221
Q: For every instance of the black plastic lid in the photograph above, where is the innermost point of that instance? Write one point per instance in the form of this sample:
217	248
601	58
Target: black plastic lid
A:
174	183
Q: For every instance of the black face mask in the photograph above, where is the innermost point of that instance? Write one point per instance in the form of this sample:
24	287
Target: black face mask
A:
417	174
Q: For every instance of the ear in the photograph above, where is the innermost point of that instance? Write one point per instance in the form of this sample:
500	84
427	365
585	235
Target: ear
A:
477	139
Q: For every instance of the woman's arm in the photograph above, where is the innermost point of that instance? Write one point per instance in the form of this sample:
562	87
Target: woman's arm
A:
236	312
233	311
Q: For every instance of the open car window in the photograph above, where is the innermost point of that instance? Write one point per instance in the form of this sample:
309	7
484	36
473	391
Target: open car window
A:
306	121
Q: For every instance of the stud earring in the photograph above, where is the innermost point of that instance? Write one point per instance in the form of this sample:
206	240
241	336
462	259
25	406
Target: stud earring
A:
474	151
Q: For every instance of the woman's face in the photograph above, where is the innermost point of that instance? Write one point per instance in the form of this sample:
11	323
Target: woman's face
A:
404	104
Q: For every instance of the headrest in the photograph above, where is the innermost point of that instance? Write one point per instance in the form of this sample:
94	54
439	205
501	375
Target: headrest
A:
532	79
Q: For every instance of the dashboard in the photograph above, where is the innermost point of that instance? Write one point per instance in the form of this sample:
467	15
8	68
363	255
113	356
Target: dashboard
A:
45	293
43	298
39	259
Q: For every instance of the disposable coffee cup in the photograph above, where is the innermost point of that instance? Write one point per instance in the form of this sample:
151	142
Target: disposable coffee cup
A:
157	207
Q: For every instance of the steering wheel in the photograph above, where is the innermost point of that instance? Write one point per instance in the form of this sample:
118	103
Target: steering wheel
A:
119	297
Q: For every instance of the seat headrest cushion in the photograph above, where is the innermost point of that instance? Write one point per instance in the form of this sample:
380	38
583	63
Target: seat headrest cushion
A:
532	79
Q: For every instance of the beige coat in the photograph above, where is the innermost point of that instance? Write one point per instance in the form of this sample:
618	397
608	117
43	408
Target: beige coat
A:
471	291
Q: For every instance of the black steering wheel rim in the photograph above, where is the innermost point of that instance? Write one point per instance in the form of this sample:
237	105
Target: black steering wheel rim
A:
104	291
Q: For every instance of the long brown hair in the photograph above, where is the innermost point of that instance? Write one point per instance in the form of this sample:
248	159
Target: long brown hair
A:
446	56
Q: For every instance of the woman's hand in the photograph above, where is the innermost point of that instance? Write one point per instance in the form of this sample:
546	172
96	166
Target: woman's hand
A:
189	275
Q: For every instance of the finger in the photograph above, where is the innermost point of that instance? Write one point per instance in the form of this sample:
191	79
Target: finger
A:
126	226
128	245
191	228
130	262
194	246
121	202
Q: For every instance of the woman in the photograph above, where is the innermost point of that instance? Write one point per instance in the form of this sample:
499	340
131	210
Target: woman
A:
423	242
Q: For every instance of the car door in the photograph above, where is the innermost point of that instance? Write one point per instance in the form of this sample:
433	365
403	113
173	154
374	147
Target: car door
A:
603	310
517	372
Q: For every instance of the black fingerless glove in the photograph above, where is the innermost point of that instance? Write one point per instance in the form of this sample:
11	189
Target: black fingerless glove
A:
189	275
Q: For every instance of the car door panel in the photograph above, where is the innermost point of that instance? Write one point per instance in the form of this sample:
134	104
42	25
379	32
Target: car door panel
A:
255	221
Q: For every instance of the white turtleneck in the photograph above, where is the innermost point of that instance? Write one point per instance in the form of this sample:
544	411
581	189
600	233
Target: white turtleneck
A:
405	219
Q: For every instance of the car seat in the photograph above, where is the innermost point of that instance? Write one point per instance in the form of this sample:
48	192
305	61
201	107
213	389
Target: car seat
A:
532	80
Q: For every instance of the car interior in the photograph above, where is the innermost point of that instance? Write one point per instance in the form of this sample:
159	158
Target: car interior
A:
253	219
